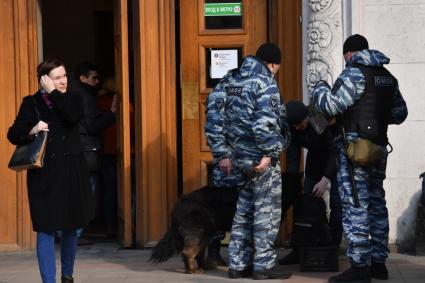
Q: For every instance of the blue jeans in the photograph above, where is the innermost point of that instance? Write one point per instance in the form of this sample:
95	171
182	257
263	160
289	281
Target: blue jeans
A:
46	254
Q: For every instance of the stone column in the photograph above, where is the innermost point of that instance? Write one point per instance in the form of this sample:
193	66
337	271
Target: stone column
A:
324	41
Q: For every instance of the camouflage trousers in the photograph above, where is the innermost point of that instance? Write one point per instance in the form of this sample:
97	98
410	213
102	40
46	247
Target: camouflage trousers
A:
220	178
371	218
256	221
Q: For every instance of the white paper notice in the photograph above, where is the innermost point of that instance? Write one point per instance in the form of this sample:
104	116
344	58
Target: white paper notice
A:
223	61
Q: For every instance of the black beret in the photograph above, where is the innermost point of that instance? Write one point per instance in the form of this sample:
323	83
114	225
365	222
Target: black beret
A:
269	53
354	43
296	112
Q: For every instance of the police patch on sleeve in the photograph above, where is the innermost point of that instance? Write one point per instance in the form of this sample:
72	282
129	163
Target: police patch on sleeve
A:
273	103
219	103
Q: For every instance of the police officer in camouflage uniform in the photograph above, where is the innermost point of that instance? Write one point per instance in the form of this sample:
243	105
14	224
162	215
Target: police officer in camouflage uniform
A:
214	131
223	177
252	126
365	99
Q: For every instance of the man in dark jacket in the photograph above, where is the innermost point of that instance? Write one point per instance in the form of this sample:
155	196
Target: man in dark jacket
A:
93	122
320	167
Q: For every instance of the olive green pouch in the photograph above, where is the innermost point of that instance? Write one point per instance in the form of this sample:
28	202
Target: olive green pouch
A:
364	152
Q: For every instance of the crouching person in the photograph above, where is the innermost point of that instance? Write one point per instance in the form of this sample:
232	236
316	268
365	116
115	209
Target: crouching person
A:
320	169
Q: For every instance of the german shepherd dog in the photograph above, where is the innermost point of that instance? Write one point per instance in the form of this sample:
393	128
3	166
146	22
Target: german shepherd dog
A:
195	220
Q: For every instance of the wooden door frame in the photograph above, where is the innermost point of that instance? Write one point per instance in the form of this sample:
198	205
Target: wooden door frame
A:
196	39
155	118
123	121
285	22
19	58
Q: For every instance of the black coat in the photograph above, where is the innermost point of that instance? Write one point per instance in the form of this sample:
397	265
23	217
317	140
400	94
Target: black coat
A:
59	194
321	155
92	124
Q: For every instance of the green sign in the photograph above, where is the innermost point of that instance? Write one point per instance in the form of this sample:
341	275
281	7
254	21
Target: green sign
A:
222	9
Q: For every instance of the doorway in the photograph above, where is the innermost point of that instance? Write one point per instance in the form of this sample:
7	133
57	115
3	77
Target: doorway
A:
229	29
80	31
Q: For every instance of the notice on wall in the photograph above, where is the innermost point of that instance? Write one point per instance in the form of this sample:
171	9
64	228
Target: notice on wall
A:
222	61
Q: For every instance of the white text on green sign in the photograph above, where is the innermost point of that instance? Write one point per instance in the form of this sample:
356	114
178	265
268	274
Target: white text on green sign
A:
222	9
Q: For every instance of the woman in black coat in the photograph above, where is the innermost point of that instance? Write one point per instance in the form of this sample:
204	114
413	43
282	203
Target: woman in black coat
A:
59	194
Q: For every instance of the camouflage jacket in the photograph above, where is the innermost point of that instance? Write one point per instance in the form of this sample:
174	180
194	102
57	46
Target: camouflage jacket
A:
254	119
350	86
214	118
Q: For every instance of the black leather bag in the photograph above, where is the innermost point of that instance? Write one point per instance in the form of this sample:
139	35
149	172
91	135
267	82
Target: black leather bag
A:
31	155
311	227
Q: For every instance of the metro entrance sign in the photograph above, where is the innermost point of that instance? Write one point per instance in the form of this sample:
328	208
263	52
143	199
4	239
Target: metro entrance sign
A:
222	9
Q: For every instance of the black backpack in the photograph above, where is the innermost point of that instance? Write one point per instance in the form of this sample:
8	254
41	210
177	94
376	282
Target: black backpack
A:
311	227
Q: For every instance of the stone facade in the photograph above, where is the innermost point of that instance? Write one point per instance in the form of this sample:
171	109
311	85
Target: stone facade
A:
396	28
324	35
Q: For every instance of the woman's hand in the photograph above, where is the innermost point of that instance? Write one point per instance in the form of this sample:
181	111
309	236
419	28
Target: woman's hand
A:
41	126
320	188
47	84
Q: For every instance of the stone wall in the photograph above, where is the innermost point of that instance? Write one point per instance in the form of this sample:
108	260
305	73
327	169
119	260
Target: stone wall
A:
396	28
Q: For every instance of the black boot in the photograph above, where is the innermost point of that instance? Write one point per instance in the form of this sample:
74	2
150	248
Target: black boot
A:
358	274
67	279
272	273
214	258
291	258
378	270
236	274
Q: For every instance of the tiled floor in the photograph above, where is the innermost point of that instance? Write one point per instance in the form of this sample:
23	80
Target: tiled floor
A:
107	263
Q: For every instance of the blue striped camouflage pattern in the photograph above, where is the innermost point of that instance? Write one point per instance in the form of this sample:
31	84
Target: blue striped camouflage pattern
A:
350	85
371	218
256	221
252	117
254	121
214	132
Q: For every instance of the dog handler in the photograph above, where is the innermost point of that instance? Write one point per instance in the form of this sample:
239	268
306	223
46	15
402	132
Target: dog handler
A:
252	125
365	99
223	176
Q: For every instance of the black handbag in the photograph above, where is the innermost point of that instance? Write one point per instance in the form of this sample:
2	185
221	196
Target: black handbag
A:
31	155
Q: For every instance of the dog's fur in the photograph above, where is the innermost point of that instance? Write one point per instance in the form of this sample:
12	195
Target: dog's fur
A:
195	219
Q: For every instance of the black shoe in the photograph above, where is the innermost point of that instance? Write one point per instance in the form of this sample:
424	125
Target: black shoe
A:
272	273
291	258
358	274
67	279
235	274
378	270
